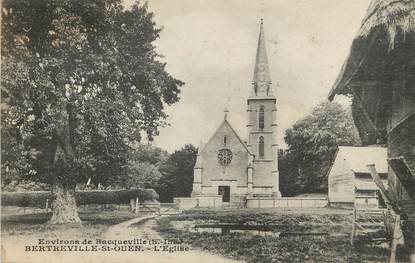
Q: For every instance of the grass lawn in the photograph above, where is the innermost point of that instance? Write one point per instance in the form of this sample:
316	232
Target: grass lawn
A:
16	223
291	248
21	229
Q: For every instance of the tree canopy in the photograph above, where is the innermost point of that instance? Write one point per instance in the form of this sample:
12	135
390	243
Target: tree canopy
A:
144	169
177	174
81	81
312	143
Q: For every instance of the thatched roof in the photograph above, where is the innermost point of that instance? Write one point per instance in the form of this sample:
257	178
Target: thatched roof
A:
392	15
379	70
387	24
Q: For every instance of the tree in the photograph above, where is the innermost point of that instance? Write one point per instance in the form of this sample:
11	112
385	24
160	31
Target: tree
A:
312	143
143	169
288	174
177	178
137	175
80	82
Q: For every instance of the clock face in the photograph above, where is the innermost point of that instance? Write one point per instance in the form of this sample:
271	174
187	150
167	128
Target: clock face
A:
225	157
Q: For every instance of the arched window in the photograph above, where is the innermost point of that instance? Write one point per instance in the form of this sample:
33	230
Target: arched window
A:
261	147
224	140
261	118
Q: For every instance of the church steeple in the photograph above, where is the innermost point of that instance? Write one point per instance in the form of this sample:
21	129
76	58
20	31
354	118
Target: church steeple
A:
262	79
262	120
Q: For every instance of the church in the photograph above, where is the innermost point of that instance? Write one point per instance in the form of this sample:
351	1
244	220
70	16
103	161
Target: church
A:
229	169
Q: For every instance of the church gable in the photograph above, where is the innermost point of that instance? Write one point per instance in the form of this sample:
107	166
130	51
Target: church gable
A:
225	157
224	136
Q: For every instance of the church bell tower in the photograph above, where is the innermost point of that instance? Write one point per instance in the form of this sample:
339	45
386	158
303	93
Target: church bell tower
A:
262	125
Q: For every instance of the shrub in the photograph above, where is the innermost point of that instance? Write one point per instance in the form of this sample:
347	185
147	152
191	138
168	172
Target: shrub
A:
38	198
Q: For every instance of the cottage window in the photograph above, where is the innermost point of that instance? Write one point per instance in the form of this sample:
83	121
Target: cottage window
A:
261	118
261	147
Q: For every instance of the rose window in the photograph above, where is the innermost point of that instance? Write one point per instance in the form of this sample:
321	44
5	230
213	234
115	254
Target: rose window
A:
225	157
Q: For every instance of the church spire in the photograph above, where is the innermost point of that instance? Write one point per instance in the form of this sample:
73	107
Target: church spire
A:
262	79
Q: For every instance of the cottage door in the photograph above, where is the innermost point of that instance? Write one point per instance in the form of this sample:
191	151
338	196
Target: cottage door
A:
225	192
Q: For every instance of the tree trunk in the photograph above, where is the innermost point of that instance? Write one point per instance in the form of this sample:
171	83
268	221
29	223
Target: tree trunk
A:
65	172
64	205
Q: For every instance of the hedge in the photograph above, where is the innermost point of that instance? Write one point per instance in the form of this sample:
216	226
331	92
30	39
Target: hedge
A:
38	198
114	196
25	199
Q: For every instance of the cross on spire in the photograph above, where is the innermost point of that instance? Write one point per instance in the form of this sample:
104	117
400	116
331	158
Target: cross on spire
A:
226	113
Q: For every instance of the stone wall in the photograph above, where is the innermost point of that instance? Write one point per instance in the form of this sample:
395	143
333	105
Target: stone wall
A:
184	203
287	202
209	200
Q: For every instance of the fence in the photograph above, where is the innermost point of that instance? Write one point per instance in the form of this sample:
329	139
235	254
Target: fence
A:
156	208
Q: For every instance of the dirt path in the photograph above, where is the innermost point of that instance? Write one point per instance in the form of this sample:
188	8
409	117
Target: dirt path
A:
13	247
124	229
146	231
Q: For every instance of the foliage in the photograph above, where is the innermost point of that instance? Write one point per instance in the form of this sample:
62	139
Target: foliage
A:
143	169
251	247
151	154
81	81
286	221
143	175
288	174
26	199
312	143
151	167
177	174
114	196
38	198
24	185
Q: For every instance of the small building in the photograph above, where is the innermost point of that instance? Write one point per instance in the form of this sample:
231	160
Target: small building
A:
349	180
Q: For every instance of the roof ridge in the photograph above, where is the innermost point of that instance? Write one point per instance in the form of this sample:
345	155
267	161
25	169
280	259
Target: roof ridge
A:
225	121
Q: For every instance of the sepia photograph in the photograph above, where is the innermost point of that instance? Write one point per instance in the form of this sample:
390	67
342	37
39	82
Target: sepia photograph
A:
182	131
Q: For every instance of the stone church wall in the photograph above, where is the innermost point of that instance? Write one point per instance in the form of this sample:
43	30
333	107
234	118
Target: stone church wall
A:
262	173
255	106
236	170
267	142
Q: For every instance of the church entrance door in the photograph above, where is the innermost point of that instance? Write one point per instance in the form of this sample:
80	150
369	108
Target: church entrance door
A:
225	192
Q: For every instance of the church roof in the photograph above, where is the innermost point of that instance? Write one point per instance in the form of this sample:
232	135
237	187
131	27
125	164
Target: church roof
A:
262	78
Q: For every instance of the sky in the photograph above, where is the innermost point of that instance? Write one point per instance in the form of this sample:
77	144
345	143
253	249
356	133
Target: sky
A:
211	46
